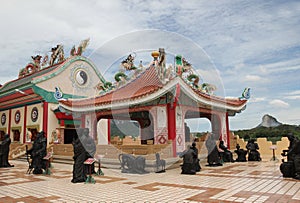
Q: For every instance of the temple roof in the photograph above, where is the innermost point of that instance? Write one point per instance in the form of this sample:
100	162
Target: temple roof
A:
145	84
148	87
26	80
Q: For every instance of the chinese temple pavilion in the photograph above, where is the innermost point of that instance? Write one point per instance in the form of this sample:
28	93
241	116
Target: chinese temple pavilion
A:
159	98
62	94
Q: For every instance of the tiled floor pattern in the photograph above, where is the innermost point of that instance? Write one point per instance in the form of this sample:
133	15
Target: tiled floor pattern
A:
232	182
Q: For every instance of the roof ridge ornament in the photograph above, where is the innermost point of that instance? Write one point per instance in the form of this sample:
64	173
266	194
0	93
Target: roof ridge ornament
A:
31	67
245	94
57	53
159	61
57	56
81	48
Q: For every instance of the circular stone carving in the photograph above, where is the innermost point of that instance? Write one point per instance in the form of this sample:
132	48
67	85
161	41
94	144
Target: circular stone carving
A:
34	114
3	119
17	116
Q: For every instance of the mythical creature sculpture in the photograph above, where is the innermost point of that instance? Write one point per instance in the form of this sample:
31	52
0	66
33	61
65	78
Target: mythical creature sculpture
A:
128	63
104	87
31	67
57	53
194	80
131	164
160	163
81	48
120	79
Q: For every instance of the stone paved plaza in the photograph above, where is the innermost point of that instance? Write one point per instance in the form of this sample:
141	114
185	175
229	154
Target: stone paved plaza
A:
232	182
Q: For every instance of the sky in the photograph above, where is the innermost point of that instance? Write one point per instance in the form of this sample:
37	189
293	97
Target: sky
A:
250	43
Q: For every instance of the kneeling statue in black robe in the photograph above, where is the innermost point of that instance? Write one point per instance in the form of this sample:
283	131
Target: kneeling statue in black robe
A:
38	152
188	166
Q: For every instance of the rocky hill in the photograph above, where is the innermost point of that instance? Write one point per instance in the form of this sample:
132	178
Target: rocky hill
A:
269	128
269	121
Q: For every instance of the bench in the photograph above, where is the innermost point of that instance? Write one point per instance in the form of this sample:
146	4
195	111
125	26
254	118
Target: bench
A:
90	162
48	158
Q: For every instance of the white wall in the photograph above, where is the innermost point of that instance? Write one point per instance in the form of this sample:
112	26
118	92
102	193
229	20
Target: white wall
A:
102	131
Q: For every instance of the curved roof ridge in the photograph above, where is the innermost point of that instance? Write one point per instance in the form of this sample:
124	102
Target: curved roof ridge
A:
27	78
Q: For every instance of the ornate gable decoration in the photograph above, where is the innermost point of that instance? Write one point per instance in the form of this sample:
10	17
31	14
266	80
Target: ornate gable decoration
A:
57	56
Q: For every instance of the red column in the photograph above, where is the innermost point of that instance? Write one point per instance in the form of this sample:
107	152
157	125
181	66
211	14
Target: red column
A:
9	122
227	131
45	117
24	126
172	126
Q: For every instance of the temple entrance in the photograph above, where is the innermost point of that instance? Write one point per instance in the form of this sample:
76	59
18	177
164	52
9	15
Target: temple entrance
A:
2	133
137	126
16	135
147	127
31	135
196	128
68	135
123	128
197	125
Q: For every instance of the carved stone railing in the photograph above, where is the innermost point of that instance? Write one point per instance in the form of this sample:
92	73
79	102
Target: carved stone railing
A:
18	151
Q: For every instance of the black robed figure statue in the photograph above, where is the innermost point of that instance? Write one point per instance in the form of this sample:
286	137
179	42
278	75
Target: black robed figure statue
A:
4	151
38	152
84	147
213	157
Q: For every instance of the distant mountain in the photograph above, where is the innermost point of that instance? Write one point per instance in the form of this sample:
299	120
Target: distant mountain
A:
269	121
269	128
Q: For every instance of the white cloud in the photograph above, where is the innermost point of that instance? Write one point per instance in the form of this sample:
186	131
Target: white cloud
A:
293	95
296	92
279	103
257	99
281	66
253	78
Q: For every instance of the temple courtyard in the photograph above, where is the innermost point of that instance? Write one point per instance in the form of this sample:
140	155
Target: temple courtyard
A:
232	182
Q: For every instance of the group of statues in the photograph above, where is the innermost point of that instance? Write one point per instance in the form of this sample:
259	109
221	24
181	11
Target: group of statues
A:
222	154
291	168
217	154
83	145
4	150
84	148
37	152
